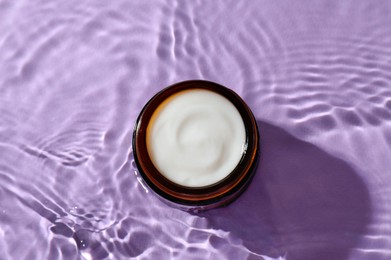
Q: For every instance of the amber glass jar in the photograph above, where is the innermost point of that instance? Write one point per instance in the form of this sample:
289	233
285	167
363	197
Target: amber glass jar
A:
212	195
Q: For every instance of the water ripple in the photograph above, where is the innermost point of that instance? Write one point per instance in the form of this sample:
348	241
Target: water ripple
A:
363	82
74	77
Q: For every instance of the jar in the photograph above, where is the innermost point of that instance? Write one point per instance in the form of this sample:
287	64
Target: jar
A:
196	145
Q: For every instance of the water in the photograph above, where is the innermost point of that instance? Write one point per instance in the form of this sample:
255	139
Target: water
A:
74	76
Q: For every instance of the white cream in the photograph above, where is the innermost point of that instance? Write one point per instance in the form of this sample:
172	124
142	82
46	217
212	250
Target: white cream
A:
196	137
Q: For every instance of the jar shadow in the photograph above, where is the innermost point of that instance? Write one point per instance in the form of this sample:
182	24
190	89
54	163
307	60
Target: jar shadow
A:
303	203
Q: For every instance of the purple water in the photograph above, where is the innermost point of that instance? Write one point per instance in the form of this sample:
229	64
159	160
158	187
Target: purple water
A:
75	74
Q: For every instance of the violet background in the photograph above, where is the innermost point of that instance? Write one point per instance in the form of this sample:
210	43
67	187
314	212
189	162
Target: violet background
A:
75	74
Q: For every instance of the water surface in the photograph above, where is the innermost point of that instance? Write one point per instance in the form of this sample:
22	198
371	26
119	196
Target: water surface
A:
74	76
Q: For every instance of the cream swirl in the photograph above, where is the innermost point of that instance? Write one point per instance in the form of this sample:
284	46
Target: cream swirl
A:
196	137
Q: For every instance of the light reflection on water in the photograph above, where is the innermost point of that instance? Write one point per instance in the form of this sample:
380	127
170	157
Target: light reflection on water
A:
74	76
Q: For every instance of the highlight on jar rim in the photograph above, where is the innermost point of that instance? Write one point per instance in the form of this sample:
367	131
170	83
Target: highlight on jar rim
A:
196	145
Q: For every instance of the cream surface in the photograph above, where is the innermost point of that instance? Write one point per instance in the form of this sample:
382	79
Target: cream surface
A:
196	137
